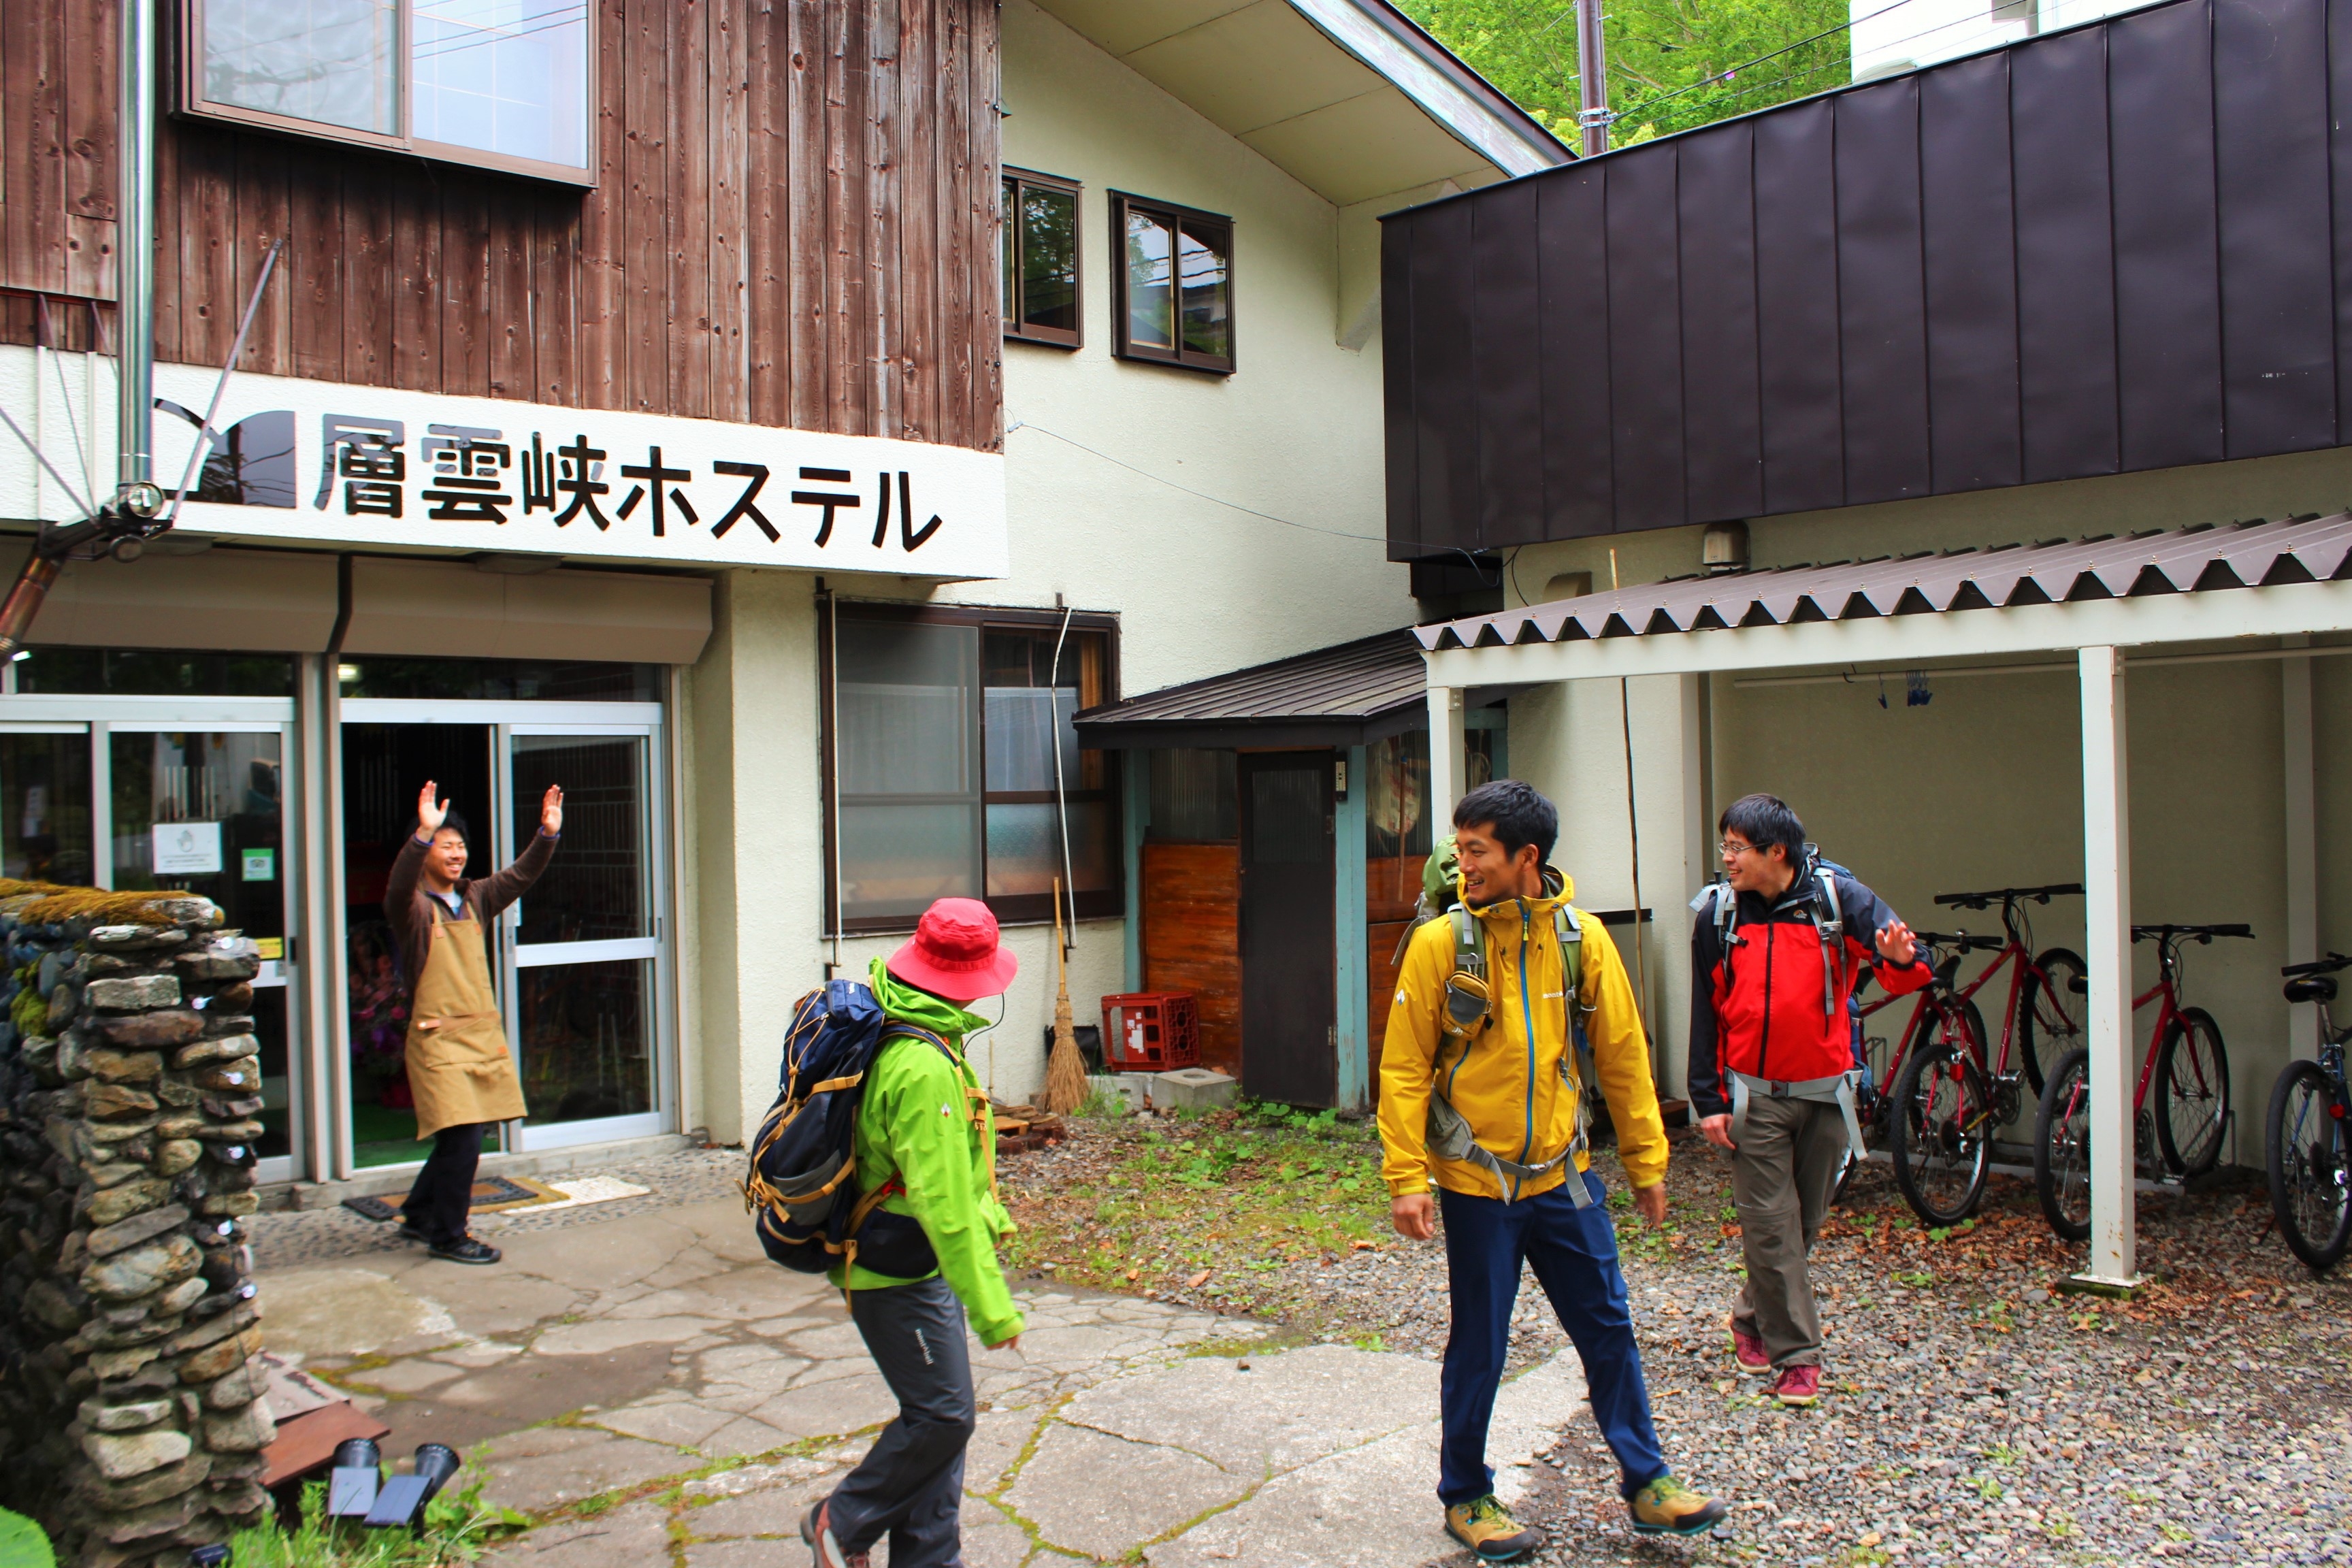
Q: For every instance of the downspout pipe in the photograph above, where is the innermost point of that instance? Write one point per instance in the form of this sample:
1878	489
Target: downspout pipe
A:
134	253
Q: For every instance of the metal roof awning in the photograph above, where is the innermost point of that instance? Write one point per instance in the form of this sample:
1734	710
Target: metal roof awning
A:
1347	695
2165	585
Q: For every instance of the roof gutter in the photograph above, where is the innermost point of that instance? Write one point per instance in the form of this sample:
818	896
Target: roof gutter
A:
1466	103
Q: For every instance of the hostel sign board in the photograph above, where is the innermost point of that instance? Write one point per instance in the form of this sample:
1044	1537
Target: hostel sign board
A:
323	463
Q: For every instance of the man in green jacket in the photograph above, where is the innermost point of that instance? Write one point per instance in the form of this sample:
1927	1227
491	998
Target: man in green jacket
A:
925	1141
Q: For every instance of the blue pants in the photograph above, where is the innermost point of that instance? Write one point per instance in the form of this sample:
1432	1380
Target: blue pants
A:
1574	1254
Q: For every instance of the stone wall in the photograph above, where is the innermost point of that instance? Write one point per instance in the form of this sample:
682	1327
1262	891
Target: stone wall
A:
130	1421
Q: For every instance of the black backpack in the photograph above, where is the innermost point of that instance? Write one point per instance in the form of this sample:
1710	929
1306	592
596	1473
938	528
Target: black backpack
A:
802	1187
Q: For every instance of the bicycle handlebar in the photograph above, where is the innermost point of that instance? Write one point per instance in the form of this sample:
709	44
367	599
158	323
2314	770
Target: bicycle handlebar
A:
2197	934
1987	899
1958	941
2328	965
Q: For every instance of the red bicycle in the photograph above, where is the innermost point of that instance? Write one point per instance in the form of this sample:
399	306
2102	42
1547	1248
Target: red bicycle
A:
2179	1110
1947	1093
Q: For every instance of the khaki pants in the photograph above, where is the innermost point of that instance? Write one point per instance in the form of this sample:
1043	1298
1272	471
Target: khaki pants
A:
1781	1178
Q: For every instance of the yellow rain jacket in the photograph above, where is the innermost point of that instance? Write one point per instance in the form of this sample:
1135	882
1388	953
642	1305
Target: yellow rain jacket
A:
1507	1085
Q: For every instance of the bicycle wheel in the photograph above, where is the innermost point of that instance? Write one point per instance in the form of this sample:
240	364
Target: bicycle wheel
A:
1939	1133
2192	1093
2062	1146
2310	1165
2051	1012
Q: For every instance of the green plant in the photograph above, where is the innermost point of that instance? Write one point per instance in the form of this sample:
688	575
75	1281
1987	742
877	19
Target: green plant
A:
458	1526
23	1545
1917	1278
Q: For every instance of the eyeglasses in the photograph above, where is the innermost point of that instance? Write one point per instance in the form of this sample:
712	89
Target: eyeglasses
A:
1731	849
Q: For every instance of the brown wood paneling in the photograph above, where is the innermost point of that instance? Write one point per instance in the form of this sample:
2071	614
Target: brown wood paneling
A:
795	223
1391	885
1192	939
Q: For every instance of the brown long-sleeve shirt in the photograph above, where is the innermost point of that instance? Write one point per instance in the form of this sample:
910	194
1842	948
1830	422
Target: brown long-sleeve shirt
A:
412	911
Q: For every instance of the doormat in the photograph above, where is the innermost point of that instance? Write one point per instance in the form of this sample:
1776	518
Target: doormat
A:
497	1194
506	1195
376	1209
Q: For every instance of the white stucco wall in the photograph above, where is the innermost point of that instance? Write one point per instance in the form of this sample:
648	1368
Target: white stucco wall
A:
1982	786
1199	587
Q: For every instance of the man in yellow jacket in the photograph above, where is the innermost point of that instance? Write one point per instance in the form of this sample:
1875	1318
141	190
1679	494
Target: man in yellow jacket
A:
1479	1099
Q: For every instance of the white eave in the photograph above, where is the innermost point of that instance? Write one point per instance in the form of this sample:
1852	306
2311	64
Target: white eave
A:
1348	97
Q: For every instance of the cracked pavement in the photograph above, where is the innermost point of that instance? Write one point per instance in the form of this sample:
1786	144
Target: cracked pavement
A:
652	1389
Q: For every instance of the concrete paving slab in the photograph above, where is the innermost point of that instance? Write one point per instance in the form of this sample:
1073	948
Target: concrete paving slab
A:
345	1311
1089	1491
831	1409
775	1509
638	1533
740	1554
600	1336
991	1540
678	1422
536	1469
997	1440
1284	1411
405	1376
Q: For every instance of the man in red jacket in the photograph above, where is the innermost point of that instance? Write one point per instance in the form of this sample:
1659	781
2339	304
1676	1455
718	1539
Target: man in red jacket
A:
1777	949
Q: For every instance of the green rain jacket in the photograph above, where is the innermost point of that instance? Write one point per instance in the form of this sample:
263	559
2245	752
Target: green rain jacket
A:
917	1121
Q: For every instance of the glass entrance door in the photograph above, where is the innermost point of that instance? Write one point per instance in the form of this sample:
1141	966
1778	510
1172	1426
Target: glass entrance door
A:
585	941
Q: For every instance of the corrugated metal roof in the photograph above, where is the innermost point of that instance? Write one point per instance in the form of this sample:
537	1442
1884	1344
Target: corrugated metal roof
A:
1341	695
2204	558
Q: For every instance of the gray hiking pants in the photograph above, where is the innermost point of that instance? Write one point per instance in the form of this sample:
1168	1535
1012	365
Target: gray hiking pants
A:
909	1486
1781	1178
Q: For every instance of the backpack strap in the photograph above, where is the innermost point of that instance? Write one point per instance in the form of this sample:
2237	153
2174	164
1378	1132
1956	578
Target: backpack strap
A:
1831	933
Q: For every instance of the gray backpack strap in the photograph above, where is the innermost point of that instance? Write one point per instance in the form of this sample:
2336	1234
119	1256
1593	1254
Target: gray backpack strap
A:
1831	933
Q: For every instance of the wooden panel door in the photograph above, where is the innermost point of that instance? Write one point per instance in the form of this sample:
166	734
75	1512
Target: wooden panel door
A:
1289	1001
1192	900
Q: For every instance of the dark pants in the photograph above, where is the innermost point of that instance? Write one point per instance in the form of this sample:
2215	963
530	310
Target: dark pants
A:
1574	1254
909	1486
443	1192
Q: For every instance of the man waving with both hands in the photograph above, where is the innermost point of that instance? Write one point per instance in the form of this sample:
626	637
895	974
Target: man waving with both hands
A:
459	1068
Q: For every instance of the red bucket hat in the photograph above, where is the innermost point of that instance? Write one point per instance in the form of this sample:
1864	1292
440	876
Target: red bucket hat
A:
955	952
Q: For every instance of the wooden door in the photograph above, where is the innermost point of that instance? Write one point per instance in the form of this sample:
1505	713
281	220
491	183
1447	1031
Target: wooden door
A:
1289	1005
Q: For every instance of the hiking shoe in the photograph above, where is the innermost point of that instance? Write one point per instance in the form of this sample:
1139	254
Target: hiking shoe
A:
1667	1507
817	1531
1749	1351
408	1232
1797	1387
1488	1529
465	1250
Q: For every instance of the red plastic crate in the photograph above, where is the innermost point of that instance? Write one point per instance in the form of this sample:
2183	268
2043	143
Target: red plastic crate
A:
1150	1031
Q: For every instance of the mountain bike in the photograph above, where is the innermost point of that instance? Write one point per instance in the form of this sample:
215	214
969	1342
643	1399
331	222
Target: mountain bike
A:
2179	1109
2309	1133
1948	1091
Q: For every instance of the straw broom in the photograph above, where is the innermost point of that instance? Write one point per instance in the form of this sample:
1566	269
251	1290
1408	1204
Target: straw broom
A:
1066	1071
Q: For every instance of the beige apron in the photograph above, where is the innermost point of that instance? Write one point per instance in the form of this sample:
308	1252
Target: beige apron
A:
459	1068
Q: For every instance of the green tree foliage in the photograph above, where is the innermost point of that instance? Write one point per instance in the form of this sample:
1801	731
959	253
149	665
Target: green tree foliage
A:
1667	58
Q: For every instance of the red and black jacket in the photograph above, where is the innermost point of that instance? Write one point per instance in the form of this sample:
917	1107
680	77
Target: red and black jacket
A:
1760	1008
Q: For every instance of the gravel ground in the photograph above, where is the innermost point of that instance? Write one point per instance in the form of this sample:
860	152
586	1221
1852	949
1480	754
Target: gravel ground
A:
1971	1414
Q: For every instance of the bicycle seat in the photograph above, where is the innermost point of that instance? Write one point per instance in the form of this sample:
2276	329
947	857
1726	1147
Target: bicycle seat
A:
2311	988
1947	973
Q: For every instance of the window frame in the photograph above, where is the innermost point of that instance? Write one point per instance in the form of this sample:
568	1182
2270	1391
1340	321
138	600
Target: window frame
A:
1121	203
1011	909
1016	329
187	34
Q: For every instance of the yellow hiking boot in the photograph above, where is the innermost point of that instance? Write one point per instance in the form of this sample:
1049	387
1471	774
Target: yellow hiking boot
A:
1485	1528
1667	1507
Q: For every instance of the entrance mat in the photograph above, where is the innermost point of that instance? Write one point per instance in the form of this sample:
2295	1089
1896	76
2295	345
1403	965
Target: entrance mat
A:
372	1208
497	1195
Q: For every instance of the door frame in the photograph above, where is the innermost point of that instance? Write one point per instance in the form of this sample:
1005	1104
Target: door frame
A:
506	718
100	717
1317	759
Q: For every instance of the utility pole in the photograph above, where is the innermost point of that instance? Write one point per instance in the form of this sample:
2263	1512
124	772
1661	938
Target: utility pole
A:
1592	74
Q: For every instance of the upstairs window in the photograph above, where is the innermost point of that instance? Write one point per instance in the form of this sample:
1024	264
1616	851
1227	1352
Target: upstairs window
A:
1175	285
501	83
1041	258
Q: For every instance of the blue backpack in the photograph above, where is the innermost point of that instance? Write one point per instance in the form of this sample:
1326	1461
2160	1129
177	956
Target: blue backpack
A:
802	1187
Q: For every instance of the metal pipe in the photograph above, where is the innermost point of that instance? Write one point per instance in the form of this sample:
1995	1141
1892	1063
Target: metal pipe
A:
134	248
1592	77
24	600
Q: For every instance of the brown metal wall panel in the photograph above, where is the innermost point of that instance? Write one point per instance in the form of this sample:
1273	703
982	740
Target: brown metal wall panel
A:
2269	143
2339	138
1578	476
1645	361
1970	241
1722	434
2065	255
1398	378
1510	370
1796	309
1445	459
1882	325
2168	276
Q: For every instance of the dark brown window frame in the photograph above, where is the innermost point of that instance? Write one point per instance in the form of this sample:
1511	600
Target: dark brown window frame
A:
1015	329
186	74
1026	908
1121	203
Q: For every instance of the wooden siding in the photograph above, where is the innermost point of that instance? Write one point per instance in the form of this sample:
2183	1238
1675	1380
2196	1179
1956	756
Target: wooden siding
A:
1391	885
795	223
1192	939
